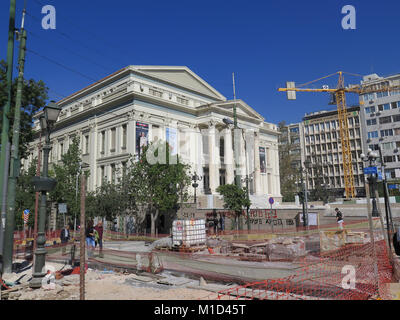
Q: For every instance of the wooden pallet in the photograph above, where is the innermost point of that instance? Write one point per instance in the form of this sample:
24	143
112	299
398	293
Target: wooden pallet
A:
192	249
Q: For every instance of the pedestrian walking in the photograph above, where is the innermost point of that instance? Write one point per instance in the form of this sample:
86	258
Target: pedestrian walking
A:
339	218
90	238
99	230
65	236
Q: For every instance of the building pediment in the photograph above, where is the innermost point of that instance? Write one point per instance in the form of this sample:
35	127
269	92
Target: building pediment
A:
181	76
242	109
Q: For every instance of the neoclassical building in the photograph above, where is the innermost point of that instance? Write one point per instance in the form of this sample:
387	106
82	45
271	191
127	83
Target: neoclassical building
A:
117	115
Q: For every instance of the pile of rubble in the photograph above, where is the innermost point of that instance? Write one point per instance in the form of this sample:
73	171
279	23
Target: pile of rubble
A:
277	249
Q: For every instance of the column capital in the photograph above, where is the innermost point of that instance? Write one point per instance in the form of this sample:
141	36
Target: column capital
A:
131	115
212	124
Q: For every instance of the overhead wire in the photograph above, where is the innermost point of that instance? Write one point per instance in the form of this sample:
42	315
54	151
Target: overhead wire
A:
70	38
60	64
87	31
71	51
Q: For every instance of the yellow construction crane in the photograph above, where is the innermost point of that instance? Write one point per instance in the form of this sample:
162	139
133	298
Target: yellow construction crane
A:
340	97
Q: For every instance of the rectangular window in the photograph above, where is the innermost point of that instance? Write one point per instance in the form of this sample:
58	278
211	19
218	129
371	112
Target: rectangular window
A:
113	173
371	122
394	105
124	132
374	147
370	109
369	96
384	120
103	142
351	122
102	174
397	131
155	93
389	159
182	100
384	107
87	144
382	94
396	118
113	139
386	133
372	134
388	145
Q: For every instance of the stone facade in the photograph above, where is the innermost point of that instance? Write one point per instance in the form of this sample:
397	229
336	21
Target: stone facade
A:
142	104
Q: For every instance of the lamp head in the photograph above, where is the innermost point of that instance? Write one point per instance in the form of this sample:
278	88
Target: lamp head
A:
228	121
51	113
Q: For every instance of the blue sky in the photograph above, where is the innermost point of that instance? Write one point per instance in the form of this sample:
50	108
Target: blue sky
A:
265	43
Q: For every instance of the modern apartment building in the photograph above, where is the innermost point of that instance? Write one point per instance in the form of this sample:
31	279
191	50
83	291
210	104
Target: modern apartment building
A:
380	119
292	143
322	147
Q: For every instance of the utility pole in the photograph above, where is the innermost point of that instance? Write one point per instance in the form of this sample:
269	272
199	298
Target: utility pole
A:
82	266
35	228
15	161
6	122
236	136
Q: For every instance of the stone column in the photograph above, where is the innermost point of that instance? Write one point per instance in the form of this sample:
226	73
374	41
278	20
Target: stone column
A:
214	157
131	134
257	170
93	150
198	150
228	157
243	156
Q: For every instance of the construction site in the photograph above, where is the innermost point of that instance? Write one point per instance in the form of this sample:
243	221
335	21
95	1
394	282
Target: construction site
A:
309	263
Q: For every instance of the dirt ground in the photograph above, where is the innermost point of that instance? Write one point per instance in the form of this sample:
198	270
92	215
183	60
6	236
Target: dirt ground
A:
99	286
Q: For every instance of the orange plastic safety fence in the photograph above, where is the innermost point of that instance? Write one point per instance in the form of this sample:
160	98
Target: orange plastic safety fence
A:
354	272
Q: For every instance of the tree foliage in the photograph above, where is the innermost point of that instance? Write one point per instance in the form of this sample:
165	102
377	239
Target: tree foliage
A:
235	199
34	96
159	187
289	174
66	174
25	197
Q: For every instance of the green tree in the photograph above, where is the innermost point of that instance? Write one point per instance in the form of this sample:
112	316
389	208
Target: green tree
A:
235	199
320	192
289	173
25	196
109	201
66	174
34	96
159	187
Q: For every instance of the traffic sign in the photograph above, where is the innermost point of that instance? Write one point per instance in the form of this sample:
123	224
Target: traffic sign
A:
271	201
371	170
62	208
25	216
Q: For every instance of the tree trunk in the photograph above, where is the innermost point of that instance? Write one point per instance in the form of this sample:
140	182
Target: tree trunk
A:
154	217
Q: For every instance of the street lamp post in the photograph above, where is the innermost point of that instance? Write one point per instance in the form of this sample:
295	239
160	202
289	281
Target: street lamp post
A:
372	179
247	180
195	185
307	164
43	185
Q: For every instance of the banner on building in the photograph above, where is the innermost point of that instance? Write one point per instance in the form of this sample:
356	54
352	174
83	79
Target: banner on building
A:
263	163
142	132
172	139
